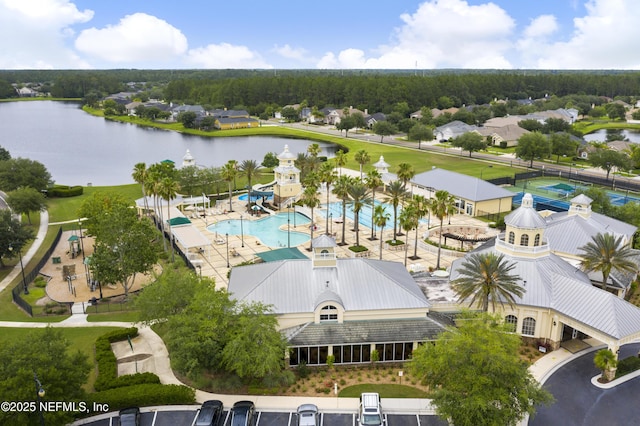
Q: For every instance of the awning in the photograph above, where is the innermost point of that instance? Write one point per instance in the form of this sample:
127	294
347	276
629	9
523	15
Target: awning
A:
181	220
190	236
281	254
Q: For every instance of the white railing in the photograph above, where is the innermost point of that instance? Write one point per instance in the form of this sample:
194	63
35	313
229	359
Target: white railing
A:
543	248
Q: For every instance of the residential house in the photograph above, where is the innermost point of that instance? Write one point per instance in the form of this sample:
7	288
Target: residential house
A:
504	136
452	130
374	118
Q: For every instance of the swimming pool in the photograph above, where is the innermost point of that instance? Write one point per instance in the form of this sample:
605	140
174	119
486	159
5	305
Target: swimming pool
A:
267	229
254	198
335	210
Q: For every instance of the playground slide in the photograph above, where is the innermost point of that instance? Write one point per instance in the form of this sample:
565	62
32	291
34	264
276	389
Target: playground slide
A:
263	186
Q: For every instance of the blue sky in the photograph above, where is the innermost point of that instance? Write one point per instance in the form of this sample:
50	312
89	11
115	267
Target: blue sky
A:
398	34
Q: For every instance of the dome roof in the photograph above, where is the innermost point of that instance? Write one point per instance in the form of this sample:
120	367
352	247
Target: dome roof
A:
285	155
381	164
525	216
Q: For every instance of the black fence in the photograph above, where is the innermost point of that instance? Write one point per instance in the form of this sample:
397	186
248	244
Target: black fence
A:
31	275
613	182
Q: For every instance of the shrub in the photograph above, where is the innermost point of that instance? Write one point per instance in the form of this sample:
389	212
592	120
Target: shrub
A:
358	249
303	370
395	242
330	360
143	395
628	365
40	282
63	191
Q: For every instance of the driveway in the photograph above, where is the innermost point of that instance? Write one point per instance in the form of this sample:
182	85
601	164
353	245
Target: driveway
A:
578	402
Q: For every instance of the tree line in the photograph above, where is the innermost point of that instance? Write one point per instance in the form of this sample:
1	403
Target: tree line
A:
376	90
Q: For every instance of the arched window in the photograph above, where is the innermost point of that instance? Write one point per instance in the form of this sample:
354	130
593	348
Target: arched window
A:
536	240
329	313
512	237
512	322
524	240
529	326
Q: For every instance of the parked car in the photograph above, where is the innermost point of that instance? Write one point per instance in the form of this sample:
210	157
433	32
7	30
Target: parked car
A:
130	416
242	414
308	415
370	410
210	413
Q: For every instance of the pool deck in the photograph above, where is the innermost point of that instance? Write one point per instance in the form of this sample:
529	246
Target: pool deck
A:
213	260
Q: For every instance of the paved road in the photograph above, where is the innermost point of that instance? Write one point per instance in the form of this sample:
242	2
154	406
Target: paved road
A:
579	403
187	417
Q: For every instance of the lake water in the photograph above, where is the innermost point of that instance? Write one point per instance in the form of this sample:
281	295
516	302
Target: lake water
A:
78	148
601	136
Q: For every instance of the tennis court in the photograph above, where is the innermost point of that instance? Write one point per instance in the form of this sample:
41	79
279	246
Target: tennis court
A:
558	192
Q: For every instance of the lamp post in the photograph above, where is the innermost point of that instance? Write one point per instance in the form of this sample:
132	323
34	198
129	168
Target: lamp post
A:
40	393
227	235
331	223
200	270
242	229
482	170
289	227
24	279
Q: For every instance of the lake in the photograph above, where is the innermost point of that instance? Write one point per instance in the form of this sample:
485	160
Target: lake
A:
79	149
601	135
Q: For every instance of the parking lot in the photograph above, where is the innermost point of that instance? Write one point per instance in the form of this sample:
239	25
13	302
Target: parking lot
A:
264	418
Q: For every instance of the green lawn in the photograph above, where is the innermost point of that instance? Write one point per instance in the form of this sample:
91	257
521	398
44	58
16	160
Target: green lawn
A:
127	316
385	391
80	338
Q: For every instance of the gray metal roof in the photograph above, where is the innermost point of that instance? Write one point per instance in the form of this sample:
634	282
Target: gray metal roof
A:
459	185
525	216
378	331
323	241
566	232
295	286
553	283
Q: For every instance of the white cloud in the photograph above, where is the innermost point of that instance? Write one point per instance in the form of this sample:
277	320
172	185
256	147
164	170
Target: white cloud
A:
542	26
441	33
34	33
225	55
606	38
136	38
289	52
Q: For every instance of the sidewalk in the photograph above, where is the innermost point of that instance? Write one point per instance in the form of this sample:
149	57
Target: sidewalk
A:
38	240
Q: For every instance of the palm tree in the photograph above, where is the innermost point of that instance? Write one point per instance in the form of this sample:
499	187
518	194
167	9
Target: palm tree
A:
140	176
486	277
341	160
441	205
341	190
327	175
405	173
362	157
310	199
168	190
381	217
358	198
408	221
605	253
250	169
421	207
373	181
395	194
229	173
154	177
606	361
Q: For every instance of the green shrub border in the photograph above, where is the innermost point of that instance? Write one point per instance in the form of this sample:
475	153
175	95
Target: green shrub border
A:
108	364
64	191
143	395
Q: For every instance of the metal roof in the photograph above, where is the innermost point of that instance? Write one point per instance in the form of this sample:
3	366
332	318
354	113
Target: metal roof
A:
551	282
525	216
568	232
281	254
377	331
295	286
459	185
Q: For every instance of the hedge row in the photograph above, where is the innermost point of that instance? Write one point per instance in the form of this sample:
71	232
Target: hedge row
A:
65	191
144	395
108	364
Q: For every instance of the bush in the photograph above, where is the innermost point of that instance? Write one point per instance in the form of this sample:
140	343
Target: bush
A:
303	370
395	242
358	249
143	395
627	365
40	282
64	191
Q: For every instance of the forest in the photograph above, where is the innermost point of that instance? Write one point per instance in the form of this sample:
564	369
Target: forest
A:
363	89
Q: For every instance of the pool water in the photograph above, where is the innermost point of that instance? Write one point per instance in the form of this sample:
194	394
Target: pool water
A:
267	229
254	198
335	210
